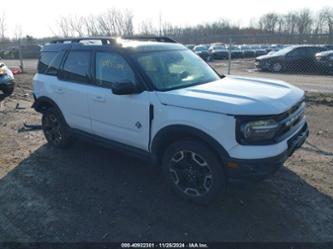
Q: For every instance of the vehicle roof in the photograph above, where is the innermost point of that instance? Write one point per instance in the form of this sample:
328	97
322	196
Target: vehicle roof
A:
108	43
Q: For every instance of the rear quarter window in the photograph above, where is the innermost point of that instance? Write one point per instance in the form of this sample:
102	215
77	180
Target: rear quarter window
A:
46	59
77	66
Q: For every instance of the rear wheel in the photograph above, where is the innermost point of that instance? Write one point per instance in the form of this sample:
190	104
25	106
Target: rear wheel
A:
54	128
193	171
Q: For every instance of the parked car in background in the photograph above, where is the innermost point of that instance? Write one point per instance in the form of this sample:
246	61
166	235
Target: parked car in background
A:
190	46
266	47
235	51
7	81
329	47
202	51
258	50
276	47
293	58
247	51
218	51
324	61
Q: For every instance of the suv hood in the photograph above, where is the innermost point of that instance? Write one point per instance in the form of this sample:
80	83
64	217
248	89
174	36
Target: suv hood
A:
236	96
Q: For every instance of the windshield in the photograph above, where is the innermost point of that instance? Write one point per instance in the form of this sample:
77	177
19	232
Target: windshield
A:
175	69
201	48
284	51
219	48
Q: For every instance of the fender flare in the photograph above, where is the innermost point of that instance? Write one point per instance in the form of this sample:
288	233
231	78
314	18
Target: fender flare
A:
170	133
43	102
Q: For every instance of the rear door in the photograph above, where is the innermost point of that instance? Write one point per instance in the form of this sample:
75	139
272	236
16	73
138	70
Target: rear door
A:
311	53
296	59
73	82
121	118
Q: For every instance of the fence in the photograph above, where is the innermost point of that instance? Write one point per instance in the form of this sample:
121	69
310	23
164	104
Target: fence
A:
24	53
257	38
20	51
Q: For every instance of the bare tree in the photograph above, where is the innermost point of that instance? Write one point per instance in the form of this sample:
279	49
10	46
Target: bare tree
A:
64	27
304	21
290	22
280	23
91	25
326	17
146	27
76	25
268	22
318	24
18	33
116	22
2	26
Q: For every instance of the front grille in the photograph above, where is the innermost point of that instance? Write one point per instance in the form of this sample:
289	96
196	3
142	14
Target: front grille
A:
290	120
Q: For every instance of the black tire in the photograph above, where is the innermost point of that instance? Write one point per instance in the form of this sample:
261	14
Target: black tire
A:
8	90
55	129
201	180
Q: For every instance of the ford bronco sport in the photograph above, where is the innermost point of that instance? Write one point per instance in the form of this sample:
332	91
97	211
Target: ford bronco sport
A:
157	99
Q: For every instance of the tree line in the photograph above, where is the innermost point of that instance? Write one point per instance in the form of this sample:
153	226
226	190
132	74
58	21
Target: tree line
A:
117	22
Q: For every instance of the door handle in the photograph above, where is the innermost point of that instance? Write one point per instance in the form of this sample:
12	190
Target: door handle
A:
60	90
99	99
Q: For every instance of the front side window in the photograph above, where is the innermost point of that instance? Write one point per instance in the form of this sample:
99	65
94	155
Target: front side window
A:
77	66
175	69
112	68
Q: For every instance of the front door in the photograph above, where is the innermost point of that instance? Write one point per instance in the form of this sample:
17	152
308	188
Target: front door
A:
121	118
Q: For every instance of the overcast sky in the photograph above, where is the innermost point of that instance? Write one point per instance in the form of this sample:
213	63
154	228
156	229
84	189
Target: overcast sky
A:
38	17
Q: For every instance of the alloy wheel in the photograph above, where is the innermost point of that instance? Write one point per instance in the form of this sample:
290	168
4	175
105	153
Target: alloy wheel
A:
191	173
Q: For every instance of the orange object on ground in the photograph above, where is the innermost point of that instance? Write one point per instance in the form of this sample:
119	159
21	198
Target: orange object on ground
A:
16	70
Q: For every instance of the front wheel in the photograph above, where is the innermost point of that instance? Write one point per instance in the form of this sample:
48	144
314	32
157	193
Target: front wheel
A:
54	128
277	67
8	90
193	171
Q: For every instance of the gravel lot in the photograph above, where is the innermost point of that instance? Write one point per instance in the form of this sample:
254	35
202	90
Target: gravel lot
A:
88	193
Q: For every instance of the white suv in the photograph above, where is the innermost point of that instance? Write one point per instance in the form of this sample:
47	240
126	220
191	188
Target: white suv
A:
159	100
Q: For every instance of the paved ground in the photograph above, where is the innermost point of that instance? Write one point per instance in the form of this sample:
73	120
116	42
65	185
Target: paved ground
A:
88	193
308	82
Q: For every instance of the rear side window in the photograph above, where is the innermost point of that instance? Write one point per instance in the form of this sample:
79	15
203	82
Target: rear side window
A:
54	65
77	66
45	60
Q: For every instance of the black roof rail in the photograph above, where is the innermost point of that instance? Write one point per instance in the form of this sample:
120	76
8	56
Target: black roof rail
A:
113	40
150	38
104	40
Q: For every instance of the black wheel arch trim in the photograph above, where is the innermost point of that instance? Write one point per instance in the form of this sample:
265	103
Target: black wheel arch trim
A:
41	102
167	134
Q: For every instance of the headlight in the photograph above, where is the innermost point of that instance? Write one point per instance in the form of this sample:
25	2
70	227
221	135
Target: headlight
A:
3	71
257	131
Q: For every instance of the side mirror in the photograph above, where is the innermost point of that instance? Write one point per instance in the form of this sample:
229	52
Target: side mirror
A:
124	88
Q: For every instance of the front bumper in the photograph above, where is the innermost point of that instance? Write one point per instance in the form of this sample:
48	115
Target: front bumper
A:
263	65
257	169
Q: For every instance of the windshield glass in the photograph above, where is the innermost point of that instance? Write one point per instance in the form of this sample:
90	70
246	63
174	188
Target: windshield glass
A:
201	48
175	69
283	51
219	48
